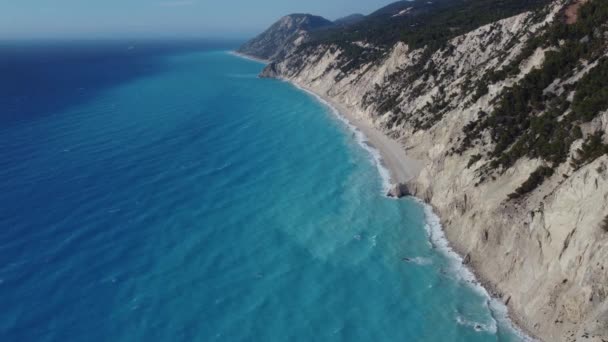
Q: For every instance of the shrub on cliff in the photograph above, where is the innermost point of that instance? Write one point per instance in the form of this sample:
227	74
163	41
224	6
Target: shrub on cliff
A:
480	90
429	24
536	178
592	149
605	224
530	121
591	95
474	159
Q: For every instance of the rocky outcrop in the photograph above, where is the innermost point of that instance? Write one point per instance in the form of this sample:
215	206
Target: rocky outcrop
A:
398	191
284	36
543	253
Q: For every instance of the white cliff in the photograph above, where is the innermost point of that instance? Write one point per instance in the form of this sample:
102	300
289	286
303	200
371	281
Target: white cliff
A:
545	254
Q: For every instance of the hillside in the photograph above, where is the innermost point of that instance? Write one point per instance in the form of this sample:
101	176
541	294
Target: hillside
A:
421	22
350	19
506	105
282	37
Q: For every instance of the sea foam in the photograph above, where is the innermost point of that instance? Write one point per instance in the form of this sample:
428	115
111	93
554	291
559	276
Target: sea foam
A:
458	269
436	236
360	137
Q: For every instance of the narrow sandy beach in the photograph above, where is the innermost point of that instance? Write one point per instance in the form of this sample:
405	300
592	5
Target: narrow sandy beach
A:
393	156
403	169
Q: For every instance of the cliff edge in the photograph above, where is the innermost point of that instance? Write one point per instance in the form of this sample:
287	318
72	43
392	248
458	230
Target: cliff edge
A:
510	119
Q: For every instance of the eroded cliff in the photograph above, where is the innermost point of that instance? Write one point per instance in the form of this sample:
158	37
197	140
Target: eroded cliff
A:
509	121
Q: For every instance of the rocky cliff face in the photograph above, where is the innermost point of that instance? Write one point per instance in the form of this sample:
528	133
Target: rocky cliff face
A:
284	36
509	121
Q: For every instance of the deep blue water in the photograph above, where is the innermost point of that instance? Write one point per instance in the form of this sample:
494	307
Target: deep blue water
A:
162	192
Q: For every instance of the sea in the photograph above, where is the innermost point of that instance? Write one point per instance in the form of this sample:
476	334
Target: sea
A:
161	191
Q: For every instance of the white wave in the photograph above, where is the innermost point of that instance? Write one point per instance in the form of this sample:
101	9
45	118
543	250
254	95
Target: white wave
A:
422	261
373	240
476	325
498	310
360	137
433	226
437	238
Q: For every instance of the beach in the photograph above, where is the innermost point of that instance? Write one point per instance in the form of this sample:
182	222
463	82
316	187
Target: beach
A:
395	167
239	198
389	153
392	155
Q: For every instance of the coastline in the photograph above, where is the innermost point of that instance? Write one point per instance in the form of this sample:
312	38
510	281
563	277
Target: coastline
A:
395	167
388	153
391	155
401	169
251	58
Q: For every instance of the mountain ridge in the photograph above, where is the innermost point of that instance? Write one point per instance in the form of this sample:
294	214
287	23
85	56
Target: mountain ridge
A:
283	36
349	19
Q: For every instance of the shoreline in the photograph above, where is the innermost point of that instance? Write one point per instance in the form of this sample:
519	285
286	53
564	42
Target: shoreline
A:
496	304
400	172
389	155
405	170
251	58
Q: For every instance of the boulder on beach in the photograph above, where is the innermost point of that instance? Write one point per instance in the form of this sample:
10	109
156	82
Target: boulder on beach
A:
398	191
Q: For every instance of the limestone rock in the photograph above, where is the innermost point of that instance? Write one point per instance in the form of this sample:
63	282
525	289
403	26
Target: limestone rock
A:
398	191
524	248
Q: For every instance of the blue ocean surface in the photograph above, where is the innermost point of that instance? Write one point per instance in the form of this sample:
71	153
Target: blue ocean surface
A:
162	192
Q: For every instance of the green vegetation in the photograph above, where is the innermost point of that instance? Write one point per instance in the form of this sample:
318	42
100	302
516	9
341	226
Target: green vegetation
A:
481	89
540	117
427	24
474	159
605	224
389	104
512	69
591	95
536	178
530	121
592	149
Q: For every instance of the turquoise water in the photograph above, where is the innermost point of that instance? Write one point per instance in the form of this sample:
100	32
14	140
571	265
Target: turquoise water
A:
194	201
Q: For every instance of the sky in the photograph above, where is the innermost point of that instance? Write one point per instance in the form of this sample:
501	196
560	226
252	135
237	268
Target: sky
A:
170	18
